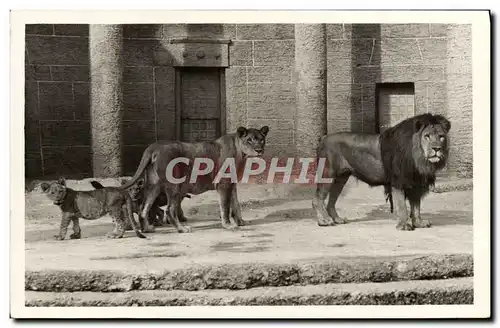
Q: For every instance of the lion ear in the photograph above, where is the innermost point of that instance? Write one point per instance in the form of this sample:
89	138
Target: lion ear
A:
45	186
140	183
241	132
446	124
62	181
418	125
264	130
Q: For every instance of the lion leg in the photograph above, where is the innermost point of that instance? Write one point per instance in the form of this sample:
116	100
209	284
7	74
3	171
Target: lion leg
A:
160	214
235	207
156	216
128	225
167	217
128	218
182	217
120	224
175	200
415	214
401	211
224	191
335	191
318	205
77	231
63	228
151	193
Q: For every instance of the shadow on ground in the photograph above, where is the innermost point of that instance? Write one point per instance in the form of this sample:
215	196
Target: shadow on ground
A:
206	217
441	218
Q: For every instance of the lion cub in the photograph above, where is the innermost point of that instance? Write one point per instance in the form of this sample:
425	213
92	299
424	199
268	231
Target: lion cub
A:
91	205
157	217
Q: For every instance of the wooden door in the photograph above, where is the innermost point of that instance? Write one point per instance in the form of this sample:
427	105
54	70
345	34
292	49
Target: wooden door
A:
200	108
396	102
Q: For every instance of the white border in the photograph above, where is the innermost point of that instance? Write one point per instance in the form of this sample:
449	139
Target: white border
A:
481	150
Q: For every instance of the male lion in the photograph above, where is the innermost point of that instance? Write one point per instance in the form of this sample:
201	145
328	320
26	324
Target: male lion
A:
155	159
90	205
404	159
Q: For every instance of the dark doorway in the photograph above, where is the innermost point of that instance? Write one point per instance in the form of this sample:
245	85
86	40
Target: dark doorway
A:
200	104
395	102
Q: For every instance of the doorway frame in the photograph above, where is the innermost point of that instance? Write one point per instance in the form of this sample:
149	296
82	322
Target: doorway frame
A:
393	86
221	99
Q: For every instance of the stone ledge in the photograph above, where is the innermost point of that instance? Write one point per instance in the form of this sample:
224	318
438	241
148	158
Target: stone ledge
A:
450	291
251	275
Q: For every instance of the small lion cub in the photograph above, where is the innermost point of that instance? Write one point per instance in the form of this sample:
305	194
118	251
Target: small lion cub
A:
91	205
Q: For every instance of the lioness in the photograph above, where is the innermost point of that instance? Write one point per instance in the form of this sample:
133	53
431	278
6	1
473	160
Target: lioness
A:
90	205
404	159
155	159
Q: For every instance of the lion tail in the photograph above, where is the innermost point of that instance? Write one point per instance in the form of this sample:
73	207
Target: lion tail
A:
388	196
96	184
145	160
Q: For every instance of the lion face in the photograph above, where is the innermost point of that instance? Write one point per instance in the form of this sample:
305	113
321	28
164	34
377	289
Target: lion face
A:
252	141
136	191
434	142
55	191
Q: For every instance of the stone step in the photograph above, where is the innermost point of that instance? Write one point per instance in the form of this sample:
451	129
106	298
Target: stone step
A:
447	291
251	275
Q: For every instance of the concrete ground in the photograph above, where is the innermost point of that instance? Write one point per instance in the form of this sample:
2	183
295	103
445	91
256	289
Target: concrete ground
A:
282	234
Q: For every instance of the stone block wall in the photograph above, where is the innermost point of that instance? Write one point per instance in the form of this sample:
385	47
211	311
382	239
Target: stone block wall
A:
362	55
459	97
259	83
435	57
57	107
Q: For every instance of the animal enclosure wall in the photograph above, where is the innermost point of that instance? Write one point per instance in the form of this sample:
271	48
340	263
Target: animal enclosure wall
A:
235	75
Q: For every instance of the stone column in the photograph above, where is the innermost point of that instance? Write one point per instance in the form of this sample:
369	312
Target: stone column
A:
459	97
106	93
310	72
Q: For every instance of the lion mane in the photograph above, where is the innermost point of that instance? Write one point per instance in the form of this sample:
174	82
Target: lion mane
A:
405	165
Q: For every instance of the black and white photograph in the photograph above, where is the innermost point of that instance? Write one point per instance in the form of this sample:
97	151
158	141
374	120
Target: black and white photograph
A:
252	164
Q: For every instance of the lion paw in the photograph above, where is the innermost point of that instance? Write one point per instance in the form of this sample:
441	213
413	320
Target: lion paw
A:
184	229
58	237
405	227
113	235
75	236
241	222
326	222
229	226
339	220
423	224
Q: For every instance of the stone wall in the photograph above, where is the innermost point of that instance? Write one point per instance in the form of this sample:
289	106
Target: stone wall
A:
259	83
459	96
435	57
57	108
362	55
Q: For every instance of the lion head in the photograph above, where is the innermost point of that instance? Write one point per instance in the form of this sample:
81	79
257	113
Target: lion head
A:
251	141
55	191
136	191
432	138
415	149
